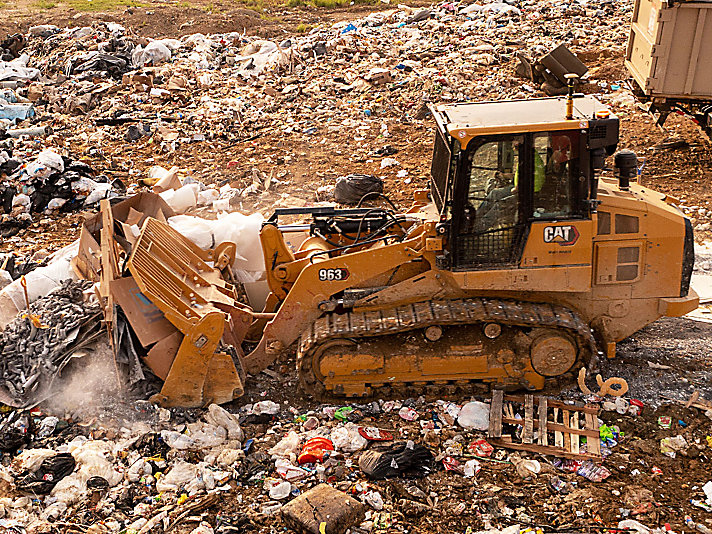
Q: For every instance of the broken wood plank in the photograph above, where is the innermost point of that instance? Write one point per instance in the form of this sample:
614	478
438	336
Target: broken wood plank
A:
558	436
543	420
495	422
566	416
575	439
528	434
554	451
593	444
693	398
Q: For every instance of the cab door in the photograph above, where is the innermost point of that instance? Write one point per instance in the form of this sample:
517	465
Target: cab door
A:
490	203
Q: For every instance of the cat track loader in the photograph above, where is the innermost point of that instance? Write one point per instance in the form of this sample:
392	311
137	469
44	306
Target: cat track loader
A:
521	264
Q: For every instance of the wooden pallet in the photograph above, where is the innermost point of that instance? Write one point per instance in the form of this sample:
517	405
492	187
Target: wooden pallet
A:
551	428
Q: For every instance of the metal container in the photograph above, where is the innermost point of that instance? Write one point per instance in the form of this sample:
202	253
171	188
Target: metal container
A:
670	49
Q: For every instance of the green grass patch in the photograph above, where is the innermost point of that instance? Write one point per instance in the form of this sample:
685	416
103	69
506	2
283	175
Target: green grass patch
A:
45	4
304	28
2	4
101	5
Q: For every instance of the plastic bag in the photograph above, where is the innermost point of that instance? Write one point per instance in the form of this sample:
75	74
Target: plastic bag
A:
290	472
268	407
347	438
51	159
39	283
31	459
400	459
474	415
176	440
198	230
244	231
288	445
49	473
92	458
155	53
207	197
220	417
100	190
183	199
280	491
351	189
138	469
15	431
206	435
178	477
229	457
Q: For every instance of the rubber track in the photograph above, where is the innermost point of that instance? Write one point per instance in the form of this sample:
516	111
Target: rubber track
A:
441	313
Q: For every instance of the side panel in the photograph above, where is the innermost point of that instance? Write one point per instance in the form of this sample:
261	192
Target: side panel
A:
559	244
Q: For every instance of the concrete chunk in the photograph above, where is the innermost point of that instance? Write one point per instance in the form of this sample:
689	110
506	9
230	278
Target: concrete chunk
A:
323	504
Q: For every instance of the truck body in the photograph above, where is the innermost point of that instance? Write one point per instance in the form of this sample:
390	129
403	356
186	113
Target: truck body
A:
669	55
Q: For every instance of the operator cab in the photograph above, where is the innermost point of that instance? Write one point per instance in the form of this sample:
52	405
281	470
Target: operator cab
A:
499	166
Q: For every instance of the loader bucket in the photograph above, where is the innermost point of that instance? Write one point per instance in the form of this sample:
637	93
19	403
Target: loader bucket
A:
177	277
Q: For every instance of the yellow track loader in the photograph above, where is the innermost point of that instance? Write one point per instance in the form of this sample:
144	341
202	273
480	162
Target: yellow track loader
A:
521	264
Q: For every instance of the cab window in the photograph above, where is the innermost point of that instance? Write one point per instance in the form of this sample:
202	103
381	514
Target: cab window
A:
492	199
556	169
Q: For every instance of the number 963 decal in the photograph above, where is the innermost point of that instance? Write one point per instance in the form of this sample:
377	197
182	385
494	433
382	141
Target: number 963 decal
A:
333	275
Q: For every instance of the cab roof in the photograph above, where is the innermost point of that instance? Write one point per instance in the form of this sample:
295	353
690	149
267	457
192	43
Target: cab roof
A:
472	119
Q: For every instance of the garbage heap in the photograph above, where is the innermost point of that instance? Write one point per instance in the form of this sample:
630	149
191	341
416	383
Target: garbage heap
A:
99	92
384	466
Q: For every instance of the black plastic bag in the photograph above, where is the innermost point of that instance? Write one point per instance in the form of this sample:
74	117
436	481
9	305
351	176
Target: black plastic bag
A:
350	189
406	459
113	65
51	471
15	431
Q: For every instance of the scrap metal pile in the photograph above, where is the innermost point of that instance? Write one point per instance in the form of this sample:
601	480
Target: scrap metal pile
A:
35	347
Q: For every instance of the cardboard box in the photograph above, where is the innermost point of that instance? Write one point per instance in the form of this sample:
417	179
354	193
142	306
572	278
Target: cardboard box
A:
132	211
147	321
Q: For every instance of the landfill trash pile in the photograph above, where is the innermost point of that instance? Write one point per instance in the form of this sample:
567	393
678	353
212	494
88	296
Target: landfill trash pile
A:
36	346
102	127
228	110
395	465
